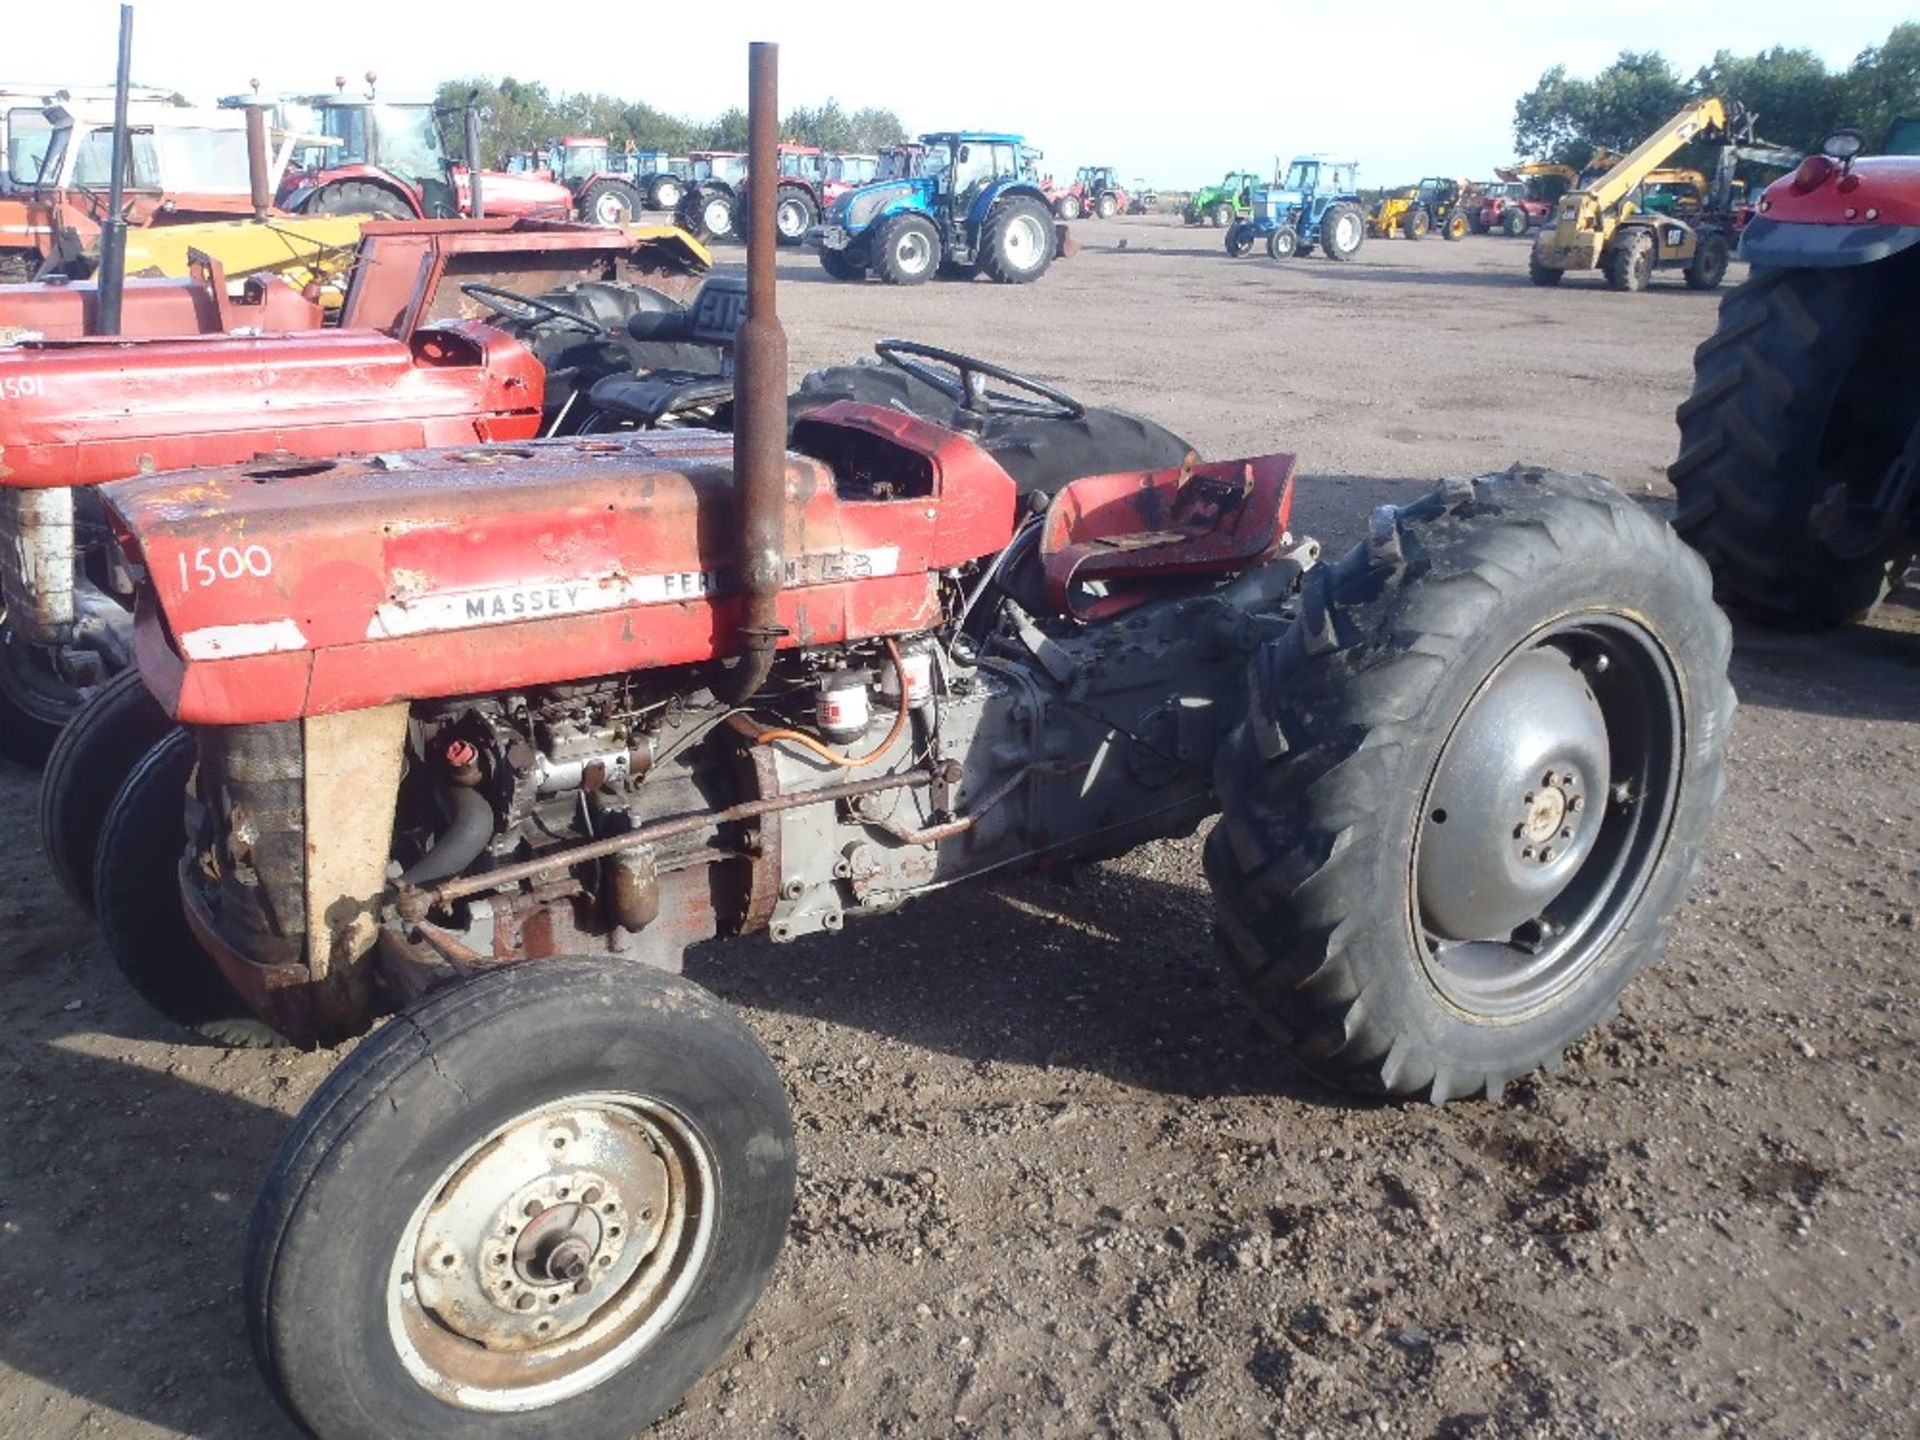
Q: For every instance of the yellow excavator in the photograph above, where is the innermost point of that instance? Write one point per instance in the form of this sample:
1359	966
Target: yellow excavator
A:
1605	225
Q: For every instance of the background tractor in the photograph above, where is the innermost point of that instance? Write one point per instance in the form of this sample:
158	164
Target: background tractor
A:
707	200
1095	191
846	172
1798	476
1220	205
1314	203
1524	197
386	158
661	177
603	191
1440	207
1388	217
973	207
713	204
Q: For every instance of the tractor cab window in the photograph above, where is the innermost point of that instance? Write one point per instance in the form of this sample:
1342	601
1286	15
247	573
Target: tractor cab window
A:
579	162
348	125
409	140
200	162
972	167
1301	175
29	139
94	168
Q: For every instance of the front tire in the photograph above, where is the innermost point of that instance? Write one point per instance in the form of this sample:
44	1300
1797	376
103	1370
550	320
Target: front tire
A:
665	194
1239	238
585	1164
1538	270
1514	222
907	250
1473	786
1223	215
1456	227
1107	207
793	215
1016	243
1283	243
1804	393
1628	262
97	749
1709	264
840	266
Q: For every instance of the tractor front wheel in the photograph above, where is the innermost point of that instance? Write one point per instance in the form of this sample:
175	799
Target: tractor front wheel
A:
1514	222
1283	243
793	215
1538	270
907	250
96	750
1474	784
1107	207
543	1202
1223	215
1456	227
1628	262
1016	243
1709	264
1417	223
664	194
1240	238
1067	207
840	265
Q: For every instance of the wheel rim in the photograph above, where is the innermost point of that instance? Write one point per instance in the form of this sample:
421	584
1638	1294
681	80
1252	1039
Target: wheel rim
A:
611	210
718	216
550	1254
1344	226
669	196
913	252
1024	242
790	218
1546	814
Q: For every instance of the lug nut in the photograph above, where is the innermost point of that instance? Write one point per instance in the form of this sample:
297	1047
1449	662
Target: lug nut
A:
1546	855
1578	803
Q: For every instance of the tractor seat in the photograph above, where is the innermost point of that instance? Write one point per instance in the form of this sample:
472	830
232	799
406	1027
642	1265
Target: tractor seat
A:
647	398
1110	540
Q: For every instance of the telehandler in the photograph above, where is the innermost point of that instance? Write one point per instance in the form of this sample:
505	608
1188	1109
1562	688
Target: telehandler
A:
485	737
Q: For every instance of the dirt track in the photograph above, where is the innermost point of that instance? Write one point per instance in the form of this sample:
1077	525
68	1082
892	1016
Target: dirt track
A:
1053	1182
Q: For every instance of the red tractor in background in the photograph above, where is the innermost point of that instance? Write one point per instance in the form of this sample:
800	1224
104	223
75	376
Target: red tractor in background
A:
1798	475
603	193
798	200
1523	197
846	172
389	160
487	737
1095	191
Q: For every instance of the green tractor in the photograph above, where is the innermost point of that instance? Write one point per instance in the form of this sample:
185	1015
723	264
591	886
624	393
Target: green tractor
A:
1220	205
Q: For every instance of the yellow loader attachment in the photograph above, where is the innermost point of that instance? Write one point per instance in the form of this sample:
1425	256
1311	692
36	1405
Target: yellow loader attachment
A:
302	249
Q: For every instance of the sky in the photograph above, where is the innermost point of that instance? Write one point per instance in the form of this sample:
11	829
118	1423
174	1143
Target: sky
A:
1175	94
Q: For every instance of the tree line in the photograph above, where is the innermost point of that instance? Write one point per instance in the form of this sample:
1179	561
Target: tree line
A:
1797	99
517	115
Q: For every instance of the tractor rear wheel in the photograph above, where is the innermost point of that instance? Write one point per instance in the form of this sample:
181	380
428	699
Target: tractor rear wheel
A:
1016	243
610	202
840	265
136	897
1417	223
1803	397
1514	222
1709	264
793	215
1239	238
664	193
906	251
1473	786
1538	271
541	1202
358	197
1107	206
1223	215
1456	227
97	749
1342	231
1628	261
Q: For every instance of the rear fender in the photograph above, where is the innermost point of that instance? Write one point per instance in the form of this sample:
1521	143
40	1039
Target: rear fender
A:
1001	190
1824	217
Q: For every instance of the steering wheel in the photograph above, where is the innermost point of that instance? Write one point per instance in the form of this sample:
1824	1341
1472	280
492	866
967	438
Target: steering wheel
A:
525	308
967	385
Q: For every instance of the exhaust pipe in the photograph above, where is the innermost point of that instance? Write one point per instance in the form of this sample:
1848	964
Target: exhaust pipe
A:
476	204
262	195
760	397
113	227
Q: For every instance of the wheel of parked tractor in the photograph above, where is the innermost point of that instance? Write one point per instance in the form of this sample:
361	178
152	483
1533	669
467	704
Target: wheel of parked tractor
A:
1016	243
1628	261
906	251
1709	265
1803	399
1190	215
664	193
1067	207
610	202
543	1202
1538	270
358	197
35	699
1456	227
1107	207
793	215
136	898
1474	223
1343	229
1474	784
1239	238
1514	222
840	265
96	750
705	214
1417	223
1305	249
1283	243
1223	215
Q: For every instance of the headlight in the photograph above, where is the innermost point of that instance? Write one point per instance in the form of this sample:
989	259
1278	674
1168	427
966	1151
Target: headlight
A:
867	202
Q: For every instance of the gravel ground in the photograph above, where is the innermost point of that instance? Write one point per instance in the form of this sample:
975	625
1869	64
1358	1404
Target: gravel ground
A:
1053	1182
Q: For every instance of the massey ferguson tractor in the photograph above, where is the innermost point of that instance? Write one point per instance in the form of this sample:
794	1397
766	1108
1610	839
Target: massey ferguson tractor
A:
483	738
1799	468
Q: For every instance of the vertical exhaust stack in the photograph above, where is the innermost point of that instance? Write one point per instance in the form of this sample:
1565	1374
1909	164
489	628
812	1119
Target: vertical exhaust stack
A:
476	203
262	193
760	397
113	225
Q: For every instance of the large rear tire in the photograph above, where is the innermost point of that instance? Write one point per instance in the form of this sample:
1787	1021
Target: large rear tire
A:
1343	230
793	214
1239	238
540	1202
610	202
96	751
358	197
1805	391
1016	242
1473	785
1628	261
1514	222
1709	265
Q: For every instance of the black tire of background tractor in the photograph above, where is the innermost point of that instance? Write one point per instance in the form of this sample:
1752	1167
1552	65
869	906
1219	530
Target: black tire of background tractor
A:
903	243
1283	244
1628	261
1709	264
1417	223
1239	238
96	751
1107	207
1796	391
357	197
664	193
1004	222
837	264
1041	455
1352	708
1067	207
432	1085
794	213
136	893
1343	230
1475	223
1190	215
1456	227
610	202
1539	272
1514	222
1223	215
699	208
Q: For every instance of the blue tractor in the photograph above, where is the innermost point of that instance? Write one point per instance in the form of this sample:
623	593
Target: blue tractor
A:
1314	203
972	206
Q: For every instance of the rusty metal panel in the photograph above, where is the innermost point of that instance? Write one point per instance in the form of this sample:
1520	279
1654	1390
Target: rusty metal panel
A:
352	779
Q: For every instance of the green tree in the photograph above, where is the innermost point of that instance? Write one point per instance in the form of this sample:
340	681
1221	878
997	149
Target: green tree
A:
1881	84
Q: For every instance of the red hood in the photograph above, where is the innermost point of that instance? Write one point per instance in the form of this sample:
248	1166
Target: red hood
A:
1878	190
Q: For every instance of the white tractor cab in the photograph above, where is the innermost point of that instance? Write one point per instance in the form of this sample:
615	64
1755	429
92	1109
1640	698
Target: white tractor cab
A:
17	94
173	150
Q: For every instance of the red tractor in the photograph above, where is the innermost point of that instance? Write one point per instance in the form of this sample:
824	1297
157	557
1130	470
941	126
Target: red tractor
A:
1799	466
1095	191
602	193
484	738
388	159
798	200
193	377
